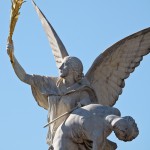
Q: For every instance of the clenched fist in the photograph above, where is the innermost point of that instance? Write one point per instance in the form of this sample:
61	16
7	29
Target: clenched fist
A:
10	51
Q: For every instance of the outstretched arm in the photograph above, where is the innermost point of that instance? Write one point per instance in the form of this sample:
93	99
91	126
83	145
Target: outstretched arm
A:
20	72
41	86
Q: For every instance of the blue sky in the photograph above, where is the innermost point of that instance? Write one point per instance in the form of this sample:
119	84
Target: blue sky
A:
86	28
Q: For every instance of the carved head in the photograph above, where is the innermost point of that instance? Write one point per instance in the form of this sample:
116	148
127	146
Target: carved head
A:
126	129
71	66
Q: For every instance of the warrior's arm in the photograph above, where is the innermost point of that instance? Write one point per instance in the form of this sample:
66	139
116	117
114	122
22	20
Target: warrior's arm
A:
20	72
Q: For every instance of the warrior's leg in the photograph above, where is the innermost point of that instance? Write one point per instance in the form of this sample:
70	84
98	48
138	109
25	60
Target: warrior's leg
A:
62	139
64	144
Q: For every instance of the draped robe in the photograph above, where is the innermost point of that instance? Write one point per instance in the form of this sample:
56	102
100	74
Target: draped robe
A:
50	96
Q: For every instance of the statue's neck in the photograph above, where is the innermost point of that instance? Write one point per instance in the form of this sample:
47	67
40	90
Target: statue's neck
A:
65	84
111	120
69	81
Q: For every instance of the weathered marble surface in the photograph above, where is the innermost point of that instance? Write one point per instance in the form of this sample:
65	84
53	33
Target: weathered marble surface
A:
102	84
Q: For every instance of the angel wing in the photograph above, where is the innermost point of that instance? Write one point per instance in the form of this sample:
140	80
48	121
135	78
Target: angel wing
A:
113	66
58	49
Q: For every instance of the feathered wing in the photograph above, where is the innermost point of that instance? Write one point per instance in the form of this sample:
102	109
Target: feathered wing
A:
58	49
113	66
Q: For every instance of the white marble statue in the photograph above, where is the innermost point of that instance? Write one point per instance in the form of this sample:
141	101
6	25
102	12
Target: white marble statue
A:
91	125
102	84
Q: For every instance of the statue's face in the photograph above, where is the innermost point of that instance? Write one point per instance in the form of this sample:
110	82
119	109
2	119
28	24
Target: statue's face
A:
69	66
64	70
122	130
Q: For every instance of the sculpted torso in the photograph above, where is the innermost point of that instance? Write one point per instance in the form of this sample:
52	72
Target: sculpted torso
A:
59	105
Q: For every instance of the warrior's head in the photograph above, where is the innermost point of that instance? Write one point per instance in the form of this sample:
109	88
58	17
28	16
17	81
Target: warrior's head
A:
71	66
126	129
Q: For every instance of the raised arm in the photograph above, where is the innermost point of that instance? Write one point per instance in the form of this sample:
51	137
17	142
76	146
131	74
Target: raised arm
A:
41	86
20	72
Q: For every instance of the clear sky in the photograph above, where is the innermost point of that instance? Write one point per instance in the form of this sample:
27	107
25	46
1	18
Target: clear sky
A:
86	28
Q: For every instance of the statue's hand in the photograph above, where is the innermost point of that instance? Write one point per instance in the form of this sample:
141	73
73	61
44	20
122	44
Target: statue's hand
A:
10	51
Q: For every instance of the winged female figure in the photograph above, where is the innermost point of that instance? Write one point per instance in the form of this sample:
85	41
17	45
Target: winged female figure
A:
102	84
